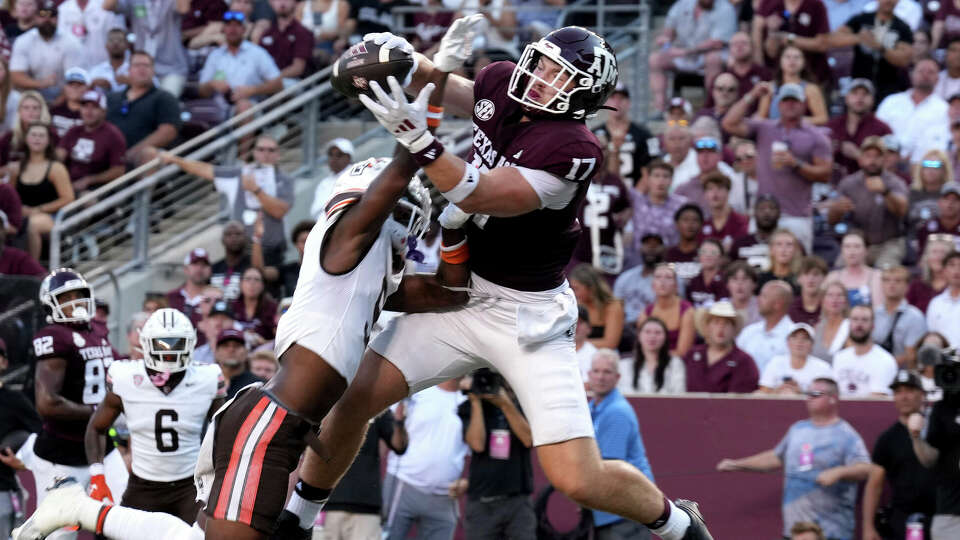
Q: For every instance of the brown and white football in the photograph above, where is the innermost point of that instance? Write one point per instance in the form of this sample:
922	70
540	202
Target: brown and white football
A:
366	61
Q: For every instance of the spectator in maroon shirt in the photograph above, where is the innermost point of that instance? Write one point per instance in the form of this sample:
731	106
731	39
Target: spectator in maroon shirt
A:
719	366
67	114
723	225
848	130
724	93
801	23
669	307
948	217
689	220
255	310
12	209
202	13
13	261
288	42
93	152
188	297
931	280
745	63
806	305
708	286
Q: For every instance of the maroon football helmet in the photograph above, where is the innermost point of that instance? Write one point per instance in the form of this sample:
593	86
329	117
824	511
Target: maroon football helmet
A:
586	78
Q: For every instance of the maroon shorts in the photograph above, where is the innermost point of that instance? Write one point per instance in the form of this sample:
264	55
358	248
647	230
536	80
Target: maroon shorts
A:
257	444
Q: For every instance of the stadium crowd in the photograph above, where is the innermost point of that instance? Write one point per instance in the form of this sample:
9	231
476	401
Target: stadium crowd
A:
795	230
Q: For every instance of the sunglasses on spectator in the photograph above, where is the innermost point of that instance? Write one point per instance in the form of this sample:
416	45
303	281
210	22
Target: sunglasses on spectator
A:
813	394
726	89
932	164
745	157
706	144
234	16
46	13
681	123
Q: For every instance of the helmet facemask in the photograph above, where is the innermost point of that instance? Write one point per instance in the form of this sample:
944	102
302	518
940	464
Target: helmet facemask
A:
168	354
567	81
82	309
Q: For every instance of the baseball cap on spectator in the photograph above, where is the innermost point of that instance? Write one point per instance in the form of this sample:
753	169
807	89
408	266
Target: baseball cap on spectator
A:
906	377
228	334
891	142
802	327
648	235
873	141
950	187
621	89
76	74
344	145
48	5
221	307
95	96
707	143
682	103
861	82
791	91
196	255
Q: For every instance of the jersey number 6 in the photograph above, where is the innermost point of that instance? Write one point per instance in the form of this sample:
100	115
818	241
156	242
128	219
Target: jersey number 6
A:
174	439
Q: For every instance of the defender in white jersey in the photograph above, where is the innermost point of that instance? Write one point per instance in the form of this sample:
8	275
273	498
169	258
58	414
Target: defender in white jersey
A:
167	401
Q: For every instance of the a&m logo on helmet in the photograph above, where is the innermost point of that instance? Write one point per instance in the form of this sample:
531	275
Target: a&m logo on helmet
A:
604	69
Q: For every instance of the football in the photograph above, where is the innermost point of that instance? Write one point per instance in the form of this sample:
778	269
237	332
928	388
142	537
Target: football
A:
366	61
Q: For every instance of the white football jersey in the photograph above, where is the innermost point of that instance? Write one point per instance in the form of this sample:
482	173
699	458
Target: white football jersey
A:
165	429
334	315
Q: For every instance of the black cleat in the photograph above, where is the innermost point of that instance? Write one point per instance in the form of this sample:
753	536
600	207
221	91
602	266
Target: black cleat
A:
698	527
288	528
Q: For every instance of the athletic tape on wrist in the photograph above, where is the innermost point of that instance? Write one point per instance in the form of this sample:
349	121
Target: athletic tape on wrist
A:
96	469
469	182
426	149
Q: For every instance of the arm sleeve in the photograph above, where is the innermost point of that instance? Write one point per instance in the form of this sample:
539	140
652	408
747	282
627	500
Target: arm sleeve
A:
856	450
268	67
169	110
18	58
822	148
613	435
781	449
881	455
303	47
745	378
553	192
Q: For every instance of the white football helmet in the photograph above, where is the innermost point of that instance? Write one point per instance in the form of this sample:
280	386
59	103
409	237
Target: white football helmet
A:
167	340
60	281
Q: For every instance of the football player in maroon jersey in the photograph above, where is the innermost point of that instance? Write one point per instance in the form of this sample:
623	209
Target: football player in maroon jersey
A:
532	161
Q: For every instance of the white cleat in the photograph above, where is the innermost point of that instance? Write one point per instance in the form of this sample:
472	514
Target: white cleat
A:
57	510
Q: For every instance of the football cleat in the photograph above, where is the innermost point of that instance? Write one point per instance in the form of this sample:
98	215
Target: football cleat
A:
698	527
288	528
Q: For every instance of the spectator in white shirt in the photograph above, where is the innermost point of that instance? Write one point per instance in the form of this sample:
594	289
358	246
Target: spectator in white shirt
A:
767	338
917	116
793	373
865	368
89	22
948	84
42	55
679	152
339	155
113	73
943	313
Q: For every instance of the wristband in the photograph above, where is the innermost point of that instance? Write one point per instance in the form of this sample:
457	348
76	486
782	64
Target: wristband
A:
463	189
454	247
458	255
434	116
426	149
96	469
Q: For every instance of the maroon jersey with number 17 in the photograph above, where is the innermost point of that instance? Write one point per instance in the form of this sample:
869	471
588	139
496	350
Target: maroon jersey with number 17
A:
87	354
527	252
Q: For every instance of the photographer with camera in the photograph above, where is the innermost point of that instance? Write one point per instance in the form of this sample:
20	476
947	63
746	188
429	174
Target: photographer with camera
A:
501	474
936	442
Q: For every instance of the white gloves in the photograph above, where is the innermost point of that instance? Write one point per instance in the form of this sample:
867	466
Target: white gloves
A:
457	43
453	217
405	120
390	41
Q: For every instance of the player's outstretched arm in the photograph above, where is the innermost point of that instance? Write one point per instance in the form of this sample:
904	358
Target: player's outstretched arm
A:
358	228
49	383
95	438
95	444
